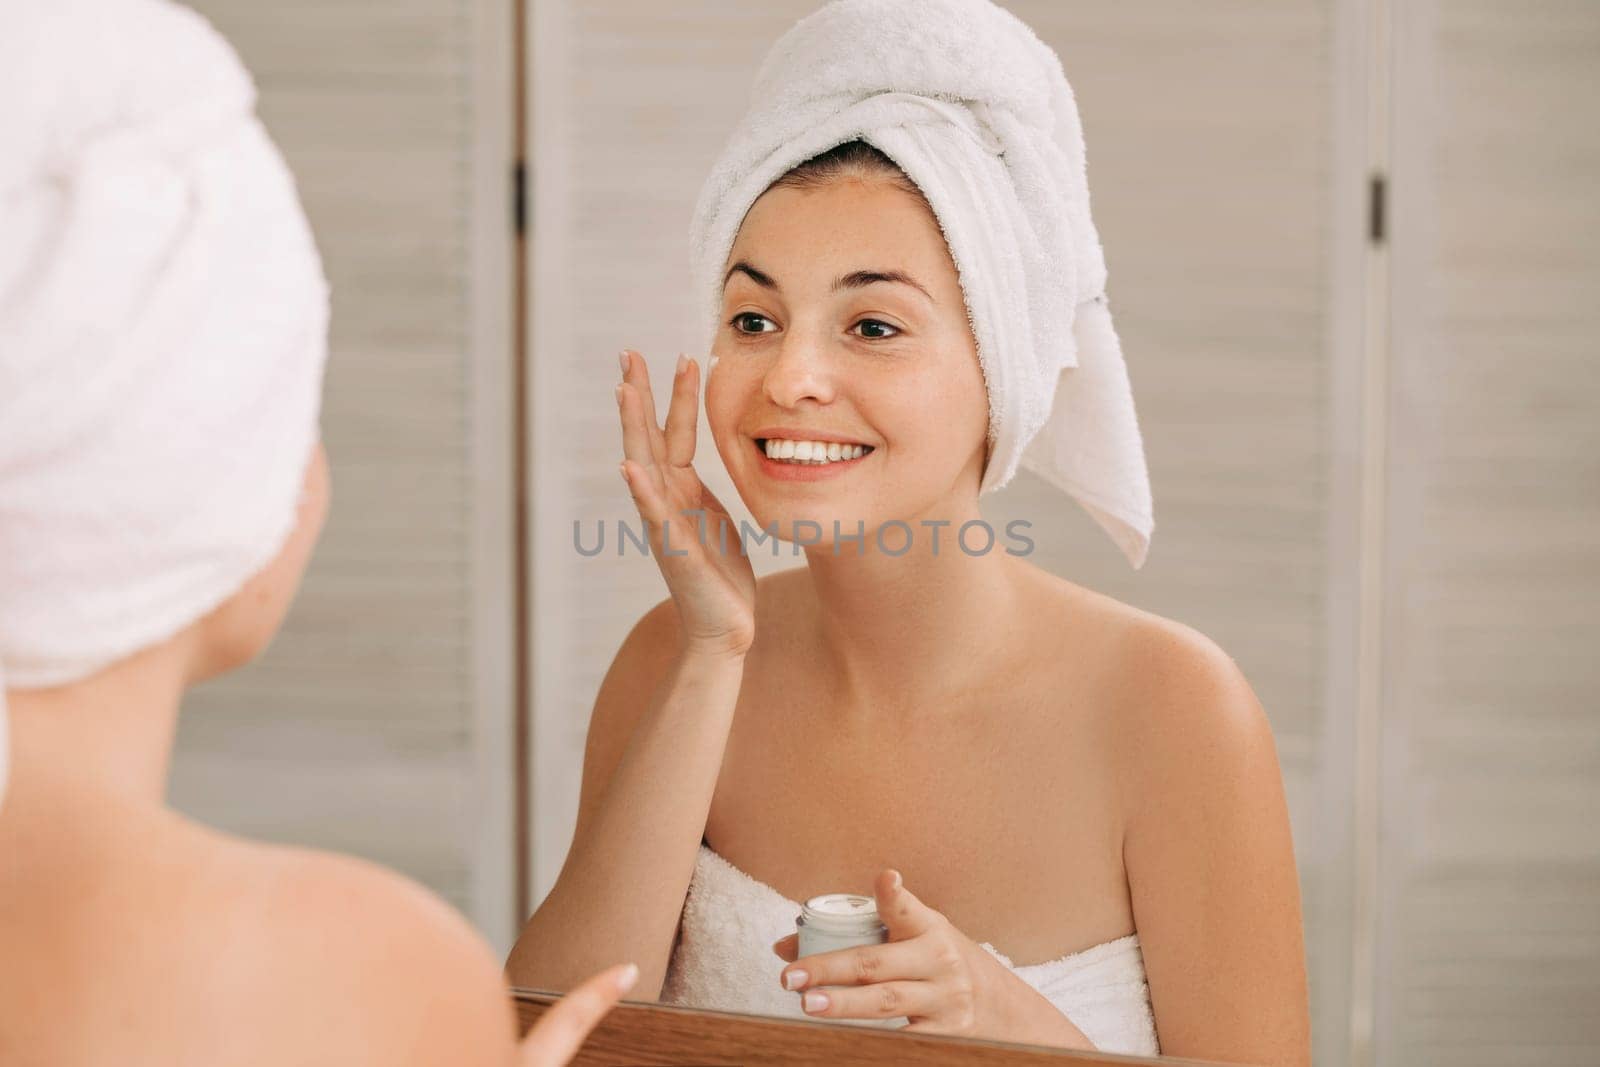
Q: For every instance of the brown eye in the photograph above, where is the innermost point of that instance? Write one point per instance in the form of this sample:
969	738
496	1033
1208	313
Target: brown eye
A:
874	323
744	316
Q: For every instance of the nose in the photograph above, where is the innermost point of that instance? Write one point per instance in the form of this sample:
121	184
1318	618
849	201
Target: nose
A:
801	370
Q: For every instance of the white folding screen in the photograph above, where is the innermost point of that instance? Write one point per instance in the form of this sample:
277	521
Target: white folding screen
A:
380	721
1488	925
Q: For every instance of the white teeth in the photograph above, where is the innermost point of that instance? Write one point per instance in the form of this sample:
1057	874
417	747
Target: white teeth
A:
812	452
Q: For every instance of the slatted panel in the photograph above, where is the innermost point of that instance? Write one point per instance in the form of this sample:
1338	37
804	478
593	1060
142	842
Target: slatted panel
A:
1207	128
1206	131
1491	933
1208	138
358	729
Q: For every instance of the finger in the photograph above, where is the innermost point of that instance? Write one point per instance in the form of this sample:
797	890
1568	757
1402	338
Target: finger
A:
637	375
647	495
900	910
672	534
561	1031
787	948
883	1000
862	965
635	434
683	414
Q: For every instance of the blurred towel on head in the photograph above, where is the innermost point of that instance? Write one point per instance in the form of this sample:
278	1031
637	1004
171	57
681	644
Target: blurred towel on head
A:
163	332
977	112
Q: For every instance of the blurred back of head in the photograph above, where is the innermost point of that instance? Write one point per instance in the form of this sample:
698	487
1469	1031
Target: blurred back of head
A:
163	333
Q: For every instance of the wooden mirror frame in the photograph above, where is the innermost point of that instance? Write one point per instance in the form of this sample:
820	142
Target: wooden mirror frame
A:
637	1032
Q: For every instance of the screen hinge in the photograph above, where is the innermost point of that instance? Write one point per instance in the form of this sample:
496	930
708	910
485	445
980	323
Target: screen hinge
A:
519	198
1377	219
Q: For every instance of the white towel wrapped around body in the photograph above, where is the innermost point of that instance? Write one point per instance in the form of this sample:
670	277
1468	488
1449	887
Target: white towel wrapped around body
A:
163	317
976	110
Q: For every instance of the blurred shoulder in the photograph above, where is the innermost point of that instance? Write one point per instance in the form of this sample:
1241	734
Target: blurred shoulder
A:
366	966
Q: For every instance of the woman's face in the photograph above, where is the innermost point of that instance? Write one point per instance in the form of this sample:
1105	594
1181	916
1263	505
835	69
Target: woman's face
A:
814	344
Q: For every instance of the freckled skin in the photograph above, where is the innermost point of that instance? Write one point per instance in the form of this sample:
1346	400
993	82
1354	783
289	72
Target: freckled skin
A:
806	359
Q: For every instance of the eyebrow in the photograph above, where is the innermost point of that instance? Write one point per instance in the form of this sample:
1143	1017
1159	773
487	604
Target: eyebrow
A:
856	279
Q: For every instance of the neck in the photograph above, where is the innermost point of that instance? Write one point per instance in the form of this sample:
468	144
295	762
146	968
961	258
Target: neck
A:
110	734
902	633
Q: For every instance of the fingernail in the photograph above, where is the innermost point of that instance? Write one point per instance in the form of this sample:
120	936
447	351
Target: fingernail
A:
897	882
814	1001
622	359
618	392
622	469
629	975
795	979
683	363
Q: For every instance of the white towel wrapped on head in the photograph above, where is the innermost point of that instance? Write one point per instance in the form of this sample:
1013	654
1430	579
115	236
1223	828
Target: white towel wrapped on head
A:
163	317
975	109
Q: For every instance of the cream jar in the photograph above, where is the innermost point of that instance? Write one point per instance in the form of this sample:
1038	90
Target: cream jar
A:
834	921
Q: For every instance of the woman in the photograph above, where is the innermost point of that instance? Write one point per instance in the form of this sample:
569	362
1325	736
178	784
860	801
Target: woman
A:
162	337
1069	810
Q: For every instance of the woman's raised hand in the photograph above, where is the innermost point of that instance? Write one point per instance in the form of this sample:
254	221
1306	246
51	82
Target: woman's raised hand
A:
694	541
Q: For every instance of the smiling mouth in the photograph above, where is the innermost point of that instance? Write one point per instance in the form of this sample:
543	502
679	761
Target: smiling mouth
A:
809	453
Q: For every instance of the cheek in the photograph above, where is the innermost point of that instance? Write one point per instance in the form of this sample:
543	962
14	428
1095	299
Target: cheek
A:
943	408
726	395
967	400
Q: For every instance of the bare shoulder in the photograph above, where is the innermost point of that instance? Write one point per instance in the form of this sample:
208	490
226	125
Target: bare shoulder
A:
1208	852
642	663
366	966
1190	723
1083	633
1183	682
653	643
1167	690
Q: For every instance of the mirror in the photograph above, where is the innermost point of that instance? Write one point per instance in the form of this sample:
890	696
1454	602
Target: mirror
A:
983	745
1311	353
1314	218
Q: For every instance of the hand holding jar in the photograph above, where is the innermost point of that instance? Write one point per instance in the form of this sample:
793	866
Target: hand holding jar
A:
928	972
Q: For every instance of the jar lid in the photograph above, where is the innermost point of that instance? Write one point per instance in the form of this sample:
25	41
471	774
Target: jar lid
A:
841	913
